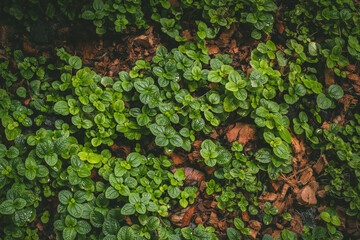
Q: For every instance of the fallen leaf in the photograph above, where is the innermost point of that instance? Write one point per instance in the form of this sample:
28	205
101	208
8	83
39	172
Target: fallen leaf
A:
213	49
353	76
241	133
329	76
306	196
255	225
306	176
245	216
280	205
296	224
320	164
223	225
284	191
213	221
174	3
177	159
268	197
182	218
192	175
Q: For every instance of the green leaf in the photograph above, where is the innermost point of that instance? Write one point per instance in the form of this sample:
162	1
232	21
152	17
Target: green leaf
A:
69	233
325	216
161	140
75	62
335	91
126	233
62	108
75	209
231	103
198	124
177	141
88	15
187	232
214	76
336	221
174	191
336	51
7	207
281	58
83	227
271	45
128	209
312	47
98	5
12	152
142	119
21	92
282	151
111	226
183	202
140	208
135	159
233	234
264	156
153	223
19	203
285	135
96	219
65	197
323	102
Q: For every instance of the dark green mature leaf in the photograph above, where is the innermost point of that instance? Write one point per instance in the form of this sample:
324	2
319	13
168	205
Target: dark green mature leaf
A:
323	102
126	233
75	209
335	91
7	207
65	197
233	234
153	223
83	227
69	233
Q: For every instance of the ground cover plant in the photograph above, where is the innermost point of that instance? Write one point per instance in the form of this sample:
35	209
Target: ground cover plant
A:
179	119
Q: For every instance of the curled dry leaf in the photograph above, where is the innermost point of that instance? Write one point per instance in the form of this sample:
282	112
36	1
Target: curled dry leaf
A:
320	164
307	196
182	218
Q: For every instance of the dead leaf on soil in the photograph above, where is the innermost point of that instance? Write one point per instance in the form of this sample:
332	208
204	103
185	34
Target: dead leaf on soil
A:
245	216
325	126
329	76
192	175
280	205
284	191
306	196
213	221
177	159
241	133
347	100
174	3
320	165
213	49
255	225
182	218
296	224
306	176
268	197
